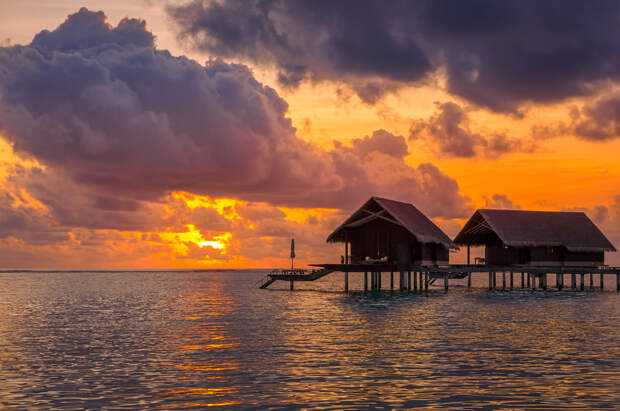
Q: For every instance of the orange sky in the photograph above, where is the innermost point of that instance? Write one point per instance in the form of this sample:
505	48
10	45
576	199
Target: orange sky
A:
557	173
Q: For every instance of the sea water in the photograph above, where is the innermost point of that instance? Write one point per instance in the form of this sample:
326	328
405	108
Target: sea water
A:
183	340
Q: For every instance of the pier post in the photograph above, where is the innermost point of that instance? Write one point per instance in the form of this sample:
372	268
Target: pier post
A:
292	286
469	280
504	280
408	280
415	282
490	280
582	282
543	280
529	279
346	281
420	275
379	280
445	281
559	280
511	280
573	281
495	280
426	281
602	283
365	280
402	281
591	281
391	280
522	280
533	280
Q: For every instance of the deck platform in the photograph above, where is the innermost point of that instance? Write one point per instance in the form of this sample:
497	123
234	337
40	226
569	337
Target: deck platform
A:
423	276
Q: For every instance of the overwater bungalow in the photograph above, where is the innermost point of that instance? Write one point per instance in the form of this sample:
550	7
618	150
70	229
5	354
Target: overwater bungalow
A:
535	238
392	232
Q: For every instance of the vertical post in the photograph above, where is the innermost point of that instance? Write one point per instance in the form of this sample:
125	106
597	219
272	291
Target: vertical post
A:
415	282
420	275
346	281
511	280
504	280
346	248
426	280
495	280
533	275
490	280
582	282
365	280
559	279
529	279
468	261
602	283
522	280
469	279
391	280
379	280
445	281
573	281
292	287
618	282
409	280
402	281
591	281
543	280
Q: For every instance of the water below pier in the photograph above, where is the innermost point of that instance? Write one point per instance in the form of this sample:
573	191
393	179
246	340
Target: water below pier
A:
191	339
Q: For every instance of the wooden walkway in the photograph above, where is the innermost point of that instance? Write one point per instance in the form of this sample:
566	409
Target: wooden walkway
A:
416	278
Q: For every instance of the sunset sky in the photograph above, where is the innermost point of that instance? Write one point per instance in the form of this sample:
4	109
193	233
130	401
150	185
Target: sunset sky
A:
206	134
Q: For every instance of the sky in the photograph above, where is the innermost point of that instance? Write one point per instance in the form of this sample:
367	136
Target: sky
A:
205	134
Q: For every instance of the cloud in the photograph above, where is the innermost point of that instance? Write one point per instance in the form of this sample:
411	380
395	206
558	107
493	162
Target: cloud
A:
501	201
128	123
448	132
600	120
495	54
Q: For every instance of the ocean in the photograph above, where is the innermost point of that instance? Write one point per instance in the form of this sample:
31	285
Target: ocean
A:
190	340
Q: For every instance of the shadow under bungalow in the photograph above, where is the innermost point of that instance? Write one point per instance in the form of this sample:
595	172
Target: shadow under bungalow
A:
391	236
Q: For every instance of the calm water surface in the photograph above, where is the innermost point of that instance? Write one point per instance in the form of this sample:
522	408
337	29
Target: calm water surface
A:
167	340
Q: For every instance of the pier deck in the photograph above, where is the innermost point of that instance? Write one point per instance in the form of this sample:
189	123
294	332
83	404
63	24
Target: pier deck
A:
528	276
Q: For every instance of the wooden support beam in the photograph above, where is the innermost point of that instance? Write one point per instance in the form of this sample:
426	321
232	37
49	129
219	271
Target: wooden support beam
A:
379	279
292	286
591	281
445	281
346	281
426	281
415	282
573	281
420	274
504	280
529	280
468	261
490	280
602	282
533	281
512	286
559	281
543	281
494	280
582	285
408	280
469	280
365	280
522	280
391	280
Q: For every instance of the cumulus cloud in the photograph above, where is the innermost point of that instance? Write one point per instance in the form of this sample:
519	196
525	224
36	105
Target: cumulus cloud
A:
600	120
501	201
495	54
448	132
126	120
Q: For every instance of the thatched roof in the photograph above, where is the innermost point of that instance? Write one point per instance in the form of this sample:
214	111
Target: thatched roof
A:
399	213
518	228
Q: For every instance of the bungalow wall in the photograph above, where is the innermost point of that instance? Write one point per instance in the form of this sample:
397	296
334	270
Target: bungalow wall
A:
380	238
541	256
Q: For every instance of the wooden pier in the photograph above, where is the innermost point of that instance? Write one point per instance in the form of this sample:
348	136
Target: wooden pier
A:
418	278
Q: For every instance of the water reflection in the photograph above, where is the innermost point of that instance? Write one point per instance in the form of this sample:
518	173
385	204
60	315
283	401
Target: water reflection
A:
192	340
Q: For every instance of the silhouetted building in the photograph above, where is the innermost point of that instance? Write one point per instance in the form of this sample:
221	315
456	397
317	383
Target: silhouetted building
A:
536	238
393	232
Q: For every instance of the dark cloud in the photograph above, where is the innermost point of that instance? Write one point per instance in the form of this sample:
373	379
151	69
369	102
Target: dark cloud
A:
501	201
118	124
600	120
496	54
448	132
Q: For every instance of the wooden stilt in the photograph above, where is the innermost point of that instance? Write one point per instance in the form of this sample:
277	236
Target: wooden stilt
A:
582	285
591	281
504	280
573	281
346	281
420	274
445	281
543	280
365	280
415	282
379	280
426	280
602	282
533	281
494	280
529	280
391	280
408	280
469	280
292	286
559	280
522	280
490	280
512	280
